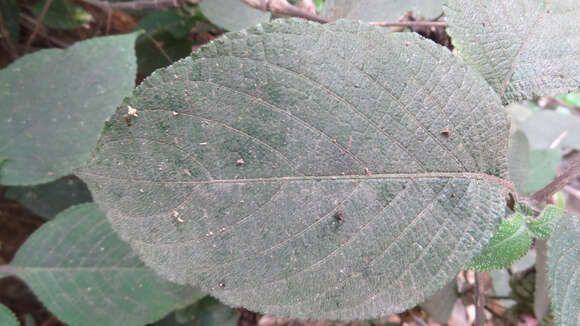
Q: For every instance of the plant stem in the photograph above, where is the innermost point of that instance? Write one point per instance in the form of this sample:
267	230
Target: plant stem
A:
544	194
479	300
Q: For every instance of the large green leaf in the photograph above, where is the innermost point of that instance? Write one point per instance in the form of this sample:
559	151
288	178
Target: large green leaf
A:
380	10
7	318
303	184
54	104
47	200
546	127
232	15
564	270
85	275
510	243
522	48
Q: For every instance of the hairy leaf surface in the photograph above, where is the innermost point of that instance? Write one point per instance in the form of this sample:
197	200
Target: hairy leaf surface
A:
564	270
380	10
54	103
232	15
47	200
509	243
85	275
522	48
301	187
543	226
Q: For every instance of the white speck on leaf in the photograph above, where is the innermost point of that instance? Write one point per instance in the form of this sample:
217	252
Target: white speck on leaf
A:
132	111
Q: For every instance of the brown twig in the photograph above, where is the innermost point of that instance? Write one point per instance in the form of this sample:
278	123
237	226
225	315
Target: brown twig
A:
38	24
422	23
283	8
479	300
30	23
544	194
137	4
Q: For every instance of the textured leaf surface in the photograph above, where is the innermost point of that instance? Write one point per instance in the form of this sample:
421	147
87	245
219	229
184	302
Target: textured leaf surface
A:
519	161
542	168
54	104
380	10
522	48
62	14
564	270
440	305
85	275
545	127
543	226
49	199
510	242
7	318
293	186
232	15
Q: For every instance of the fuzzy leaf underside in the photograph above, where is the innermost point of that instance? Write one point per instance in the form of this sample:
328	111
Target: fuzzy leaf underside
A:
522	48
232	15
54	103
380	10
80	270
509	243
564	270
298	186
543	226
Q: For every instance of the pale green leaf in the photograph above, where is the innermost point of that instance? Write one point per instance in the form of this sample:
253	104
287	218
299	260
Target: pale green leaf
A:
518	114
232	15
564	270
522	48
47	200
510	242
62	14
80	270
7	317
546	127
300	188
542	226
519	151
380	10
54	104
440	305
542	169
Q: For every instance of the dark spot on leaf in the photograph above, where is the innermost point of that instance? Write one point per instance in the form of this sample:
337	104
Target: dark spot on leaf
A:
338	217
492	171
222	284
446	132
127	120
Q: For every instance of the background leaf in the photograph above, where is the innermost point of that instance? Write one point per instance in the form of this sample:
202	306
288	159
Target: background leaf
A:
85	275
7	317
545	127
522	48
509	243
336	178
542	169
54	104
49	199
380	10
563	267
440	305
10	17
209	312
62	14
160	50
171	20
519	161
232	15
